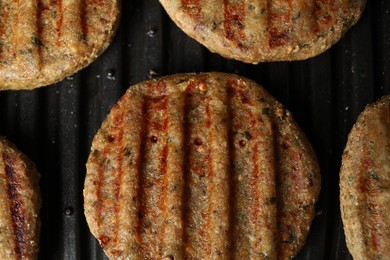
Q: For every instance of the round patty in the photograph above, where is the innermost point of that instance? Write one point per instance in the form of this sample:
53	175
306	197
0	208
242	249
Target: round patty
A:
42	42
19	204
365	184
200	166
259	31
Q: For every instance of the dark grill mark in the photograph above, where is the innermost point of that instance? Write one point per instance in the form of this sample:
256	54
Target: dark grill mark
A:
163	201
155	105
59	21
369	190
118	122
234	22
16	206
193	8
186	163
210	178
83	19
279	24
4	19
232	173
323	14
139	166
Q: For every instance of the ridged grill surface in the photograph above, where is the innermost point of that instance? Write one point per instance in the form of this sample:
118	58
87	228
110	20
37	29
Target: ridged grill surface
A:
265	30
43	41
202	166
20	204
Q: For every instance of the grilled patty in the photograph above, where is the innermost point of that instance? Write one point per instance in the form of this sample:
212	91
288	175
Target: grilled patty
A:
19	204
200	166
257	31
43	41
365	184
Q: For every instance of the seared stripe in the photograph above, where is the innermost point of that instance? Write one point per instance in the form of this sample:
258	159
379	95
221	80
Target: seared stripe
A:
60	20
163	198
72	26
323	14
111	167
255	196
16	206
232	180
140	166
193	8
152	203
25	38
234	12
254	160
103	239
210	183
368	193
118	122
4	16
207	210
279	22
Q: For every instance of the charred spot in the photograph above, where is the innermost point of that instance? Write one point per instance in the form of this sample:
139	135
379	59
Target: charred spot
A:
154	139
111	138
245	98
242	143
198	141
278	38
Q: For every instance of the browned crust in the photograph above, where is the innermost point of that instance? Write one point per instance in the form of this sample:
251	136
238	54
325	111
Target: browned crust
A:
365	183
255	31
216	168
20	222
44	41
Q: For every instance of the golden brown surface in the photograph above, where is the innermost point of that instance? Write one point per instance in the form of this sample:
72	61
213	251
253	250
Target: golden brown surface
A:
43	41
255	31
365	184
19	204
200	166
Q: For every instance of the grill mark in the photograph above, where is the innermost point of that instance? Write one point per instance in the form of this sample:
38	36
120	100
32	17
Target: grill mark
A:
118	122
210	178
193	8
155	104
234	15
140	166
163	167
83	19
59	24
279	24
104	239
278	188
320	19
232	200
15	26
362	188
255	193
16	206
186	164
369	190
163	200
39	33
4	19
